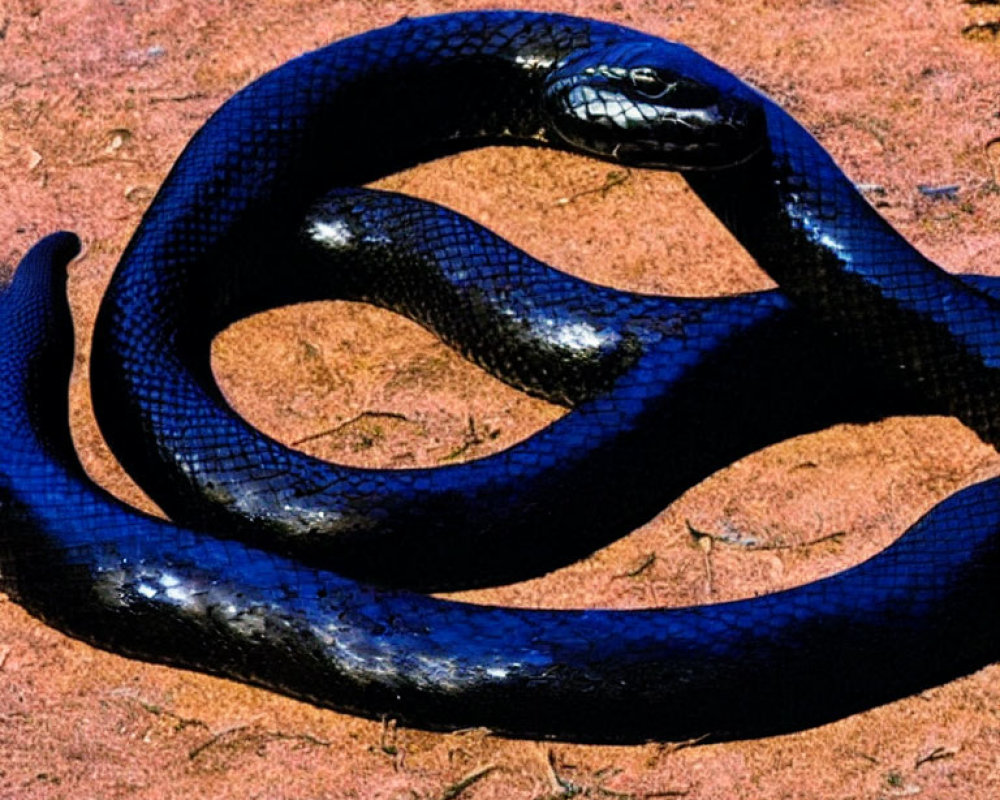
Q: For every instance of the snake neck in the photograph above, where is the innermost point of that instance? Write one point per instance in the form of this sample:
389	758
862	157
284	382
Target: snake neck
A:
809	228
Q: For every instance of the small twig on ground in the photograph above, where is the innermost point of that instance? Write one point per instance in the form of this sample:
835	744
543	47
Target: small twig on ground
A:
937	754
265	736
197	750
357	418
565	787
613	178
387	738
669	748
388	744
177	98
700	535
981	30
635	572
827	537
704	541
472	439
944	192
301	737
871	189
481	729
453	791
180	723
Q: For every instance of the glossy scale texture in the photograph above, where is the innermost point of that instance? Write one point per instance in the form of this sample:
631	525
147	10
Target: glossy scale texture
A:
919	613
634	369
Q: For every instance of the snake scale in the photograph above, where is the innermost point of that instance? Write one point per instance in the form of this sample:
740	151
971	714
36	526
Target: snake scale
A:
289	573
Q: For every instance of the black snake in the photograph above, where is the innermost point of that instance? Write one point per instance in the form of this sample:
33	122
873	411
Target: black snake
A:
318	602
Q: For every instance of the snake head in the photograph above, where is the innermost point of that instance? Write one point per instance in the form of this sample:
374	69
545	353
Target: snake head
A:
654	104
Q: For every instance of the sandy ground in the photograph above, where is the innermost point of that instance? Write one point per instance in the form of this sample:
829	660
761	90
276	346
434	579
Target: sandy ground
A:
97	99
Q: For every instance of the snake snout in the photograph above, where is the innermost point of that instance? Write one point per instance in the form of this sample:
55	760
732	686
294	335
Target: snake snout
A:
655	105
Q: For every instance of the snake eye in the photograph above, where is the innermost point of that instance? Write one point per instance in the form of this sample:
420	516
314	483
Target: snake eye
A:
670	89
648	82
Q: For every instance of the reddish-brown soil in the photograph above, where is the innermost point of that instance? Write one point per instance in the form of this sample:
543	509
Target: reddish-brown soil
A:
96	101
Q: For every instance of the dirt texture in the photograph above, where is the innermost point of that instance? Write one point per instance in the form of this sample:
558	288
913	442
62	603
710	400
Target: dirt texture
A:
96	101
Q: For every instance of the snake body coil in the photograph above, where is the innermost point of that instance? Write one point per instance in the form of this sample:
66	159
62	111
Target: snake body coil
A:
635	370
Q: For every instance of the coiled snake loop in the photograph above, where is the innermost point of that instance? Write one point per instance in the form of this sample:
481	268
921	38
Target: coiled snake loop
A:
311	592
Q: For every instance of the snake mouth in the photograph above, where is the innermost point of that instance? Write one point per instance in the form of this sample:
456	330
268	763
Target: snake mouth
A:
659	106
